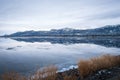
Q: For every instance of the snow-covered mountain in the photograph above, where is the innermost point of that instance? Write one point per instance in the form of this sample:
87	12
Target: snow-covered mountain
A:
106	30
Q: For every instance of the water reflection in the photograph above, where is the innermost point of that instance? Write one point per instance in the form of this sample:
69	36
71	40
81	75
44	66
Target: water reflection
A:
25	54
107	42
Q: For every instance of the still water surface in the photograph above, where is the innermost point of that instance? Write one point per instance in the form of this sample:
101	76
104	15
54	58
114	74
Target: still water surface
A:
24	55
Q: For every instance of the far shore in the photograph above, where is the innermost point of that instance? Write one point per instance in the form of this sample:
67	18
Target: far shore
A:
65	36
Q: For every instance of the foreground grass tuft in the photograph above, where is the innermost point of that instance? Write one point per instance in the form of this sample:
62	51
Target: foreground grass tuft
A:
47	73
92	65
12	76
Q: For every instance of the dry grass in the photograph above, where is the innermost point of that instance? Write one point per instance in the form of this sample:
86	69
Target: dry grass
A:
12	76
70	78
47	73
87	67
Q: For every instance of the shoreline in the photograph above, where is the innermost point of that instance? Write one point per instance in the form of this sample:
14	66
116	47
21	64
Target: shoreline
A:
104	74
106	67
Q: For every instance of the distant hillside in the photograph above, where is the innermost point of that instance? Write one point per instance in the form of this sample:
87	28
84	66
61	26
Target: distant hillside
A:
106	30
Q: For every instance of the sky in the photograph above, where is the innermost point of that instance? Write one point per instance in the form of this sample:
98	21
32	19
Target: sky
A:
22	15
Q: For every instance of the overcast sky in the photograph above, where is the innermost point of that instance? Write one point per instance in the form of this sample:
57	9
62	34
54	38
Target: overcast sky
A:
21	15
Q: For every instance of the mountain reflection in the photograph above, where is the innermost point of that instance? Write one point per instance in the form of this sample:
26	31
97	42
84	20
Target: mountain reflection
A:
107	42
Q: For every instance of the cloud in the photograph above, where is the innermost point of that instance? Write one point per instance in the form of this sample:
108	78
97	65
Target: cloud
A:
20	15
105	15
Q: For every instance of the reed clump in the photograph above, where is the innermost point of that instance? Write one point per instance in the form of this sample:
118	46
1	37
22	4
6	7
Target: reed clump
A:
92	65
46	73
12	76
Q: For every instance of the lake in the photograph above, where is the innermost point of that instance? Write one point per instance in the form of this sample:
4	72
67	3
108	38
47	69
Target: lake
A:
27	54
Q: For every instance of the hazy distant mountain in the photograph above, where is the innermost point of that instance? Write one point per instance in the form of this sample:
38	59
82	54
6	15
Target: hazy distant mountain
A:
106	30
